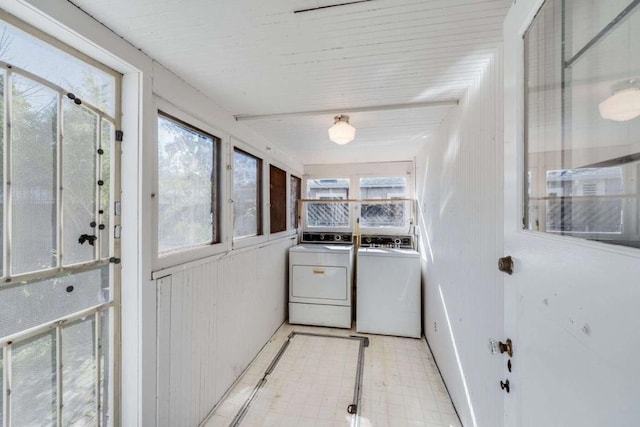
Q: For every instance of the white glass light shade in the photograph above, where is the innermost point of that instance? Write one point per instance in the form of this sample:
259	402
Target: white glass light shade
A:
342	132
621	106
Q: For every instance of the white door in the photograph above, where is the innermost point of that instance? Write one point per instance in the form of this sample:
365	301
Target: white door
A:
571	304
58	271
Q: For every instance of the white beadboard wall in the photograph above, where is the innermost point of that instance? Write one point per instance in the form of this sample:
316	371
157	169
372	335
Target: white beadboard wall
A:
213	319
460	197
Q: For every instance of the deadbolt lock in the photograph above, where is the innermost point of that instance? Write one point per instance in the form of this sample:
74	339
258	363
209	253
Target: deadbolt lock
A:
506	347
505	264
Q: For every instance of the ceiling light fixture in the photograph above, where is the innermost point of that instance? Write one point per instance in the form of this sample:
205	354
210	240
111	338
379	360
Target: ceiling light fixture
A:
342	132
623	105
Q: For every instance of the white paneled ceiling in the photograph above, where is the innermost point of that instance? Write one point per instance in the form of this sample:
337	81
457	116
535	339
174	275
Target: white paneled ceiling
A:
259	57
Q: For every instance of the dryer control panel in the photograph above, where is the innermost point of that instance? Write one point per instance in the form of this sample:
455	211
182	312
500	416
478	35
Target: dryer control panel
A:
334	238
374	241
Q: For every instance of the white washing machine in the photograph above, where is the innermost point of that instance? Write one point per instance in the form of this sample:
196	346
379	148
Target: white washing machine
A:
388	289
320	280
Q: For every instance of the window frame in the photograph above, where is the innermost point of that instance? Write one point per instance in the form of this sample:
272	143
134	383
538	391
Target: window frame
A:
350	196
182	256
292	226
629	212
355	171
243	242
285	196
408	214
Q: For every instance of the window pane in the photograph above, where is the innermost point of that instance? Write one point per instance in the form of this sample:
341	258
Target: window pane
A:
333	214
31	304
79	145
104	214
186	186
85	81
296	188
2	391
246	195
79	374
583	169
33	381
2	80
106	373
277	199
387	214
586	18
33	176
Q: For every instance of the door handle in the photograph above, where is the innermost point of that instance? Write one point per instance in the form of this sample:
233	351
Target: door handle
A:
318	271
505	385
506	347
505	264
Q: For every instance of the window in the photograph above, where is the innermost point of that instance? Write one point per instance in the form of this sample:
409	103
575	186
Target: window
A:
187	186
385	214
582	163
247	196
333	214
277	199
296	188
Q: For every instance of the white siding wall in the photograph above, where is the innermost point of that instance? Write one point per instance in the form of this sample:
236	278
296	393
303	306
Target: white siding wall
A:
213	318
460	199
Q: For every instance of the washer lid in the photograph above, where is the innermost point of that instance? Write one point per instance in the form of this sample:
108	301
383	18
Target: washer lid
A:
388	252
313	247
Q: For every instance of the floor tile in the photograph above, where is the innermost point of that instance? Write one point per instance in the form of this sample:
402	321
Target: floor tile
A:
401	384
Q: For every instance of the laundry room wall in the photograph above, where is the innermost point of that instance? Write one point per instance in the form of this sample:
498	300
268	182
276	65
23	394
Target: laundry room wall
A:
459	176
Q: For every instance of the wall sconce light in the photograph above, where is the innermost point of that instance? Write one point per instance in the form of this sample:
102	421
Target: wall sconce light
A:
623	105
342	132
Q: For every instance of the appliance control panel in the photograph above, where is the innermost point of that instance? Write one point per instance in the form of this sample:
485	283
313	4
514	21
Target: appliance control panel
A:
334	238
398	242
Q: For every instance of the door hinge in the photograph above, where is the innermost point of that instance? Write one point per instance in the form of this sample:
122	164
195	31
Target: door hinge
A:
117	207
117	231
119	135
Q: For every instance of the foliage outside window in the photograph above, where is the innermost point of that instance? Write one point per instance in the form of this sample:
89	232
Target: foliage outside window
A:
187	186
277	199
384	214
247	195
582	166
42	122
333	214
294	197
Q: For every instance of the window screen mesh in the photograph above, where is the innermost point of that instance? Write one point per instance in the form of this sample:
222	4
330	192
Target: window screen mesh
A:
33	390
106	383
2	142
186	186
33	178
27	305
247	219
384	214
85	81
80	130
296	189
331	214
79	374
2	392
106	142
